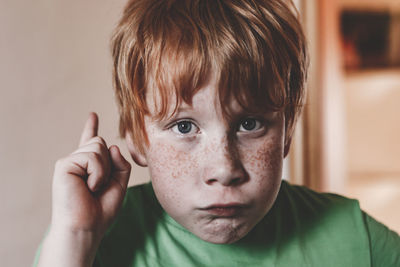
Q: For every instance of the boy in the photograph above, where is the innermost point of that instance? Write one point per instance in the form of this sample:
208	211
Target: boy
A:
208	94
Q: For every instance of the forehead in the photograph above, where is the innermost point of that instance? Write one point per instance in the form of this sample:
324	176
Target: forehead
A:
203	98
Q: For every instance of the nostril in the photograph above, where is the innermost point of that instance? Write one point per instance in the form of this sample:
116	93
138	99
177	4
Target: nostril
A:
226	182
235	181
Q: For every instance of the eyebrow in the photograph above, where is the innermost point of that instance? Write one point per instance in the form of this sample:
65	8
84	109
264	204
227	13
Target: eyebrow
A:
182	108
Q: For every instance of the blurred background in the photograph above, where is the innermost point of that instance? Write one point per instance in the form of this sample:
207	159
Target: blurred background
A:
55	68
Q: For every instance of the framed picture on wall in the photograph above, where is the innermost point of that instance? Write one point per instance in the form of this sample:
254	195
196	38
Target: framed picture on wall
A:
370	39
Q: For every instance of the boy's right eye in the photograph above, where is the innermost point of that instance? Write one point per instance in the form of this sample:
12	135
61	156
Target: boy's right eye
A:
184	127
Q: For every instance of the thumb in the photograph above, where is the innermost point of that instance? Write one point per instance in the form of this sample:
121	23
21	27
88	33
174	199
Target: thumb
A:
121	169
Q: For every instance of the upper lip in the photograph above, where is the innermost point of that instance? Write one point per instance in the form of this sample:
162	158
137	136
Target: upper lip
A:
224	205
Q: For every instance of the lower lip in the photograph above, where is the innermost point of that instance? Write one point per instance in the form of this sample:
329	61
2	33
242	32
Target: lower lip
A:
225	211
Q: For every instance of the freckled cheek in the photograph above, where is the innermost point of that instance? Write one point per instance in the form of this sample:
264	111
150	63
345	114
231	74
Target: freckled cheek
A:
171	171
264	162
168	162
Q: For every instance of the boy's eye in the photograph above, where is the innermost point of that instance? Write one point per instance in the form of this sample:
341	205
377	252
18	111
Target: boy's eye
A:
249	124
184	127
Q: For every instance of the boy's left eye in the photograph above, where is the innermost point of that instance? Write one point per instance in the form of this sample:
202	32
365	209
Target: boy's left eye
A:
184	127
249	124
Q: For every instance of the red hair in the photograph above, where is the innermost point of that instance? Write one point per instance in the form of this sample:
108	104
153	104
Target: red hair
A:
255	49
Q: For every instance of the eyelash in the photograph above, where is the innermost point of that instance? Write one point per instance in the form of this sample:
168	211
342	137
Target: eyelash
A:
259	124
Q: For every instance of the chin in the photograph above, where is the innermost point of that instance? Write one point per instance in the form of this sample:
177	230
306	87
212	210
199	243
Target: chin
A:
222	239
223	234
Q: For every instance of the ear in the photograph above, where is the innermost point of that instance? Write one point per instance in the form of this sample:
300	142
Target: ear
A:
138	157
287	147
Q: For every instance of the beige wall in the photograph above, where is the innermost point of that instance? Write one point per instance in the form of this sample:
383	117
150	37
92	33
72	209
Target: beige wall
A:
373	122
54	69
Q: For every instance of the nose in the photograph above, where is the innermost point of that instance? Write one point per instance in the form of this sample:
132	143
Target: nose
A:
224	165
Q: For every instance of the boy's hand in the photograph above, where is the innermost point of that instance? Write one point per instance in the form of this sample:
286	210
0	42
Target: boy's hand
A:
88	189
89	185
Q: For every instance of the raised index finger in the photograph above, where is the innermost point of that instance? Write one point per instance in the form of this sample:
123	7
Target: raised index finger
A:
90	129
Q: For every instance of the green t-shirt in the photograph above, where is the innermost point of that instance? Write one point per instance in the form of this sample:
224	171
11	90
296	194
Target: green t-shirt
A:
304	228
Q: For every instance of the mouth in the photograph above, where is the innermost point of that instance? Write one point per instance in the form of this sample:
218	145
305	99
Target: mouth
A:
225	210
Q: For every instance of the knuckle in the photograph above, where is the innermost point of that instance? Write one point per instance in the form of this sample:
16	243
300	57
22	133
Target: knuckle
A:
99	139
99	161
94	156
98	147
63	164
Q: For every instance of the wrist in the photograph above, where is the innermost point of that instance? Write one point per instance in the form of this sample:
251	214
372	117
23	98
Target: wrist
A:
69	248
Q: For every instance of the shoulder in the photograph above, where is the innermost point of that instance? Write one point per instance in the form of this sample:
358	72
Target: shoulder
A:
321	226
311	202
334	226
384	243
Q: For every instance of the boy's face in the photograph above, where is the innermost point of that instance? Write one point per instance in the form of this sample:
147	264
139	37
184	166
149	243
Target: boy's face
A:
216	177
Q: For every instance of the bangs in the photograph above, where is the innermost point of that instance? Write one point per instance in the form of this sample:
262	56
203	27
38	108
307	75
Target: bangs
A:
250	58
